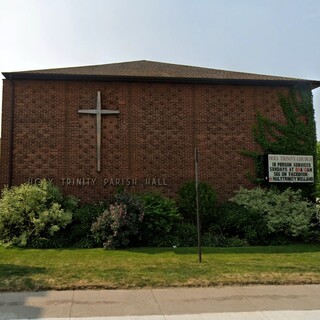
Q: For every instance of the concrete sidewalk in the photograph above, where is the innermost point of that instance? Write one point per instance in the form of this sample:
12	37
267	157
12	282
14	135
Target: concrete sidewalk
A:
236	303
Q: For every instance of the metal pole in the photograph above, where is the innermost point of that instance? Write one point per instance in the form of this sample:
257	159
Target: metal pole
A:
196	160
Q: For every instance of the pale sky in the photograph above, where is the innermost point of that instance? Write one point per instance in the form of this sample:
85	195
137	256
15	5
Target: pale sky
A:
275	37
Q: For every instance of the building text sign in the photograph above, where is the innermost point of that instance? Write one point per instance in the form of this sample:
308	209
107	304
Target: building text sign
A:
105	182
290	168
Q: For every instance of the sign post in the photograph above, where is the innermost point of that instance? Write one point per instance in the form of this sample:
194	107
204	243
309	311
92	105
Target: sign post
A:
196	160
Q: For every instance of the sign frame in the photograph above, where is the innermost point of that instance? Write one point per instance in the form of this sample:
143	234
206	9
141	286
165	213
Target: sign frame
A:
281	168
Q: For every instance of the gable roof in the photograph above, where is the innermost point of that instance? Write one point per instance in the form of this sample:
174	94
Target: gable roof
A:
155	71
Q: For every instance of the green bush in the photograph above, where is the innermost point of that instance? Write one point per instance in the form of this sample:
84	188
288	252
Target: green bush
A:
185	235
118	226
182	235
236	221
48	243
28	212
187	202
160	219
287	214
215	238
78	234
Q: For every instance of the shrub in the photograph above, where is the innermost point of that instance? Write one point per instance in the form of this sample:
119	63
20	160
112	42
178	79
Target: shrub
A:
286	213
185	235
241	222
106	228
118	226
160	219
213	238
187	202
135	210
30	211
78	234
48	243
182	235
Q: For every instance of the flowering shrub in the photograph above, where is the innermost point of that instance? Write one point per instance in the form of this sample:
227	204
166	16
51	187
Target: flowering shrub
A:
118	226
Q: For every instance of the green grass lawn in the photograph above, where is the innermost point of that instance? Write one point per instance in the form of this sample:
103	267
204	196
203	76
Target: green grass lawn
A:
36	269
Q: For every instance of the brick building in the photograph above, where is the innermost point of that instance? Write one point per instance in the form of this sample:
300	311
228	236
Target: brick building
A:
152	117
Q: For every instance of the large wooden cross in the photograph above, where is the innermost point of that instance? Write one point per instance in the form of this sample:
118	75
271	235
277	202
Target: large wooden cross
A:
98	112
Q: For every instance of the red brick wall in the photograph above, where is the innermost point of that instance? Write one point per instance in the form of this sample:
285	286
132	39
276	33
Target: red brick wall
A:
154	135
5	136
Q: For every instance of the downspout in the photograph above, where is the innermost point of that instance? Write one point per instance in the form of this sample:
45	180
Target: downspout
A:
11	135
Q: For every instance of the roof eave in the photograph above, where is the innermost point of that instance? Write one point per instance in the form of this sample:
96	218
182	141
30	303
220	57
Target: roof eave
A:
76	77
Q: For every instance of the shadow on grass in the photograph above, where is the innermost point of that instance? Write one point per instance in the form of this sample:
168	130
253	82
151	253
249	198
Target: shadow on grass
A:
7	270
283	249
20	278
